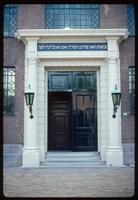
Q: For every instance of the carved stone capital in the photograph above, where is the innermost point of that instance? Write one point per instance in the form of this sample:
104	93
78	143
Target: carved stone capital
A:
32	60
112	60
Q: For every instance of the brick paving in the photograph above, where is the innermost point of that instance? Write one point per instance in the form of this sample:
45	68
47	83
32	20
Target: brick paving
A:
67	182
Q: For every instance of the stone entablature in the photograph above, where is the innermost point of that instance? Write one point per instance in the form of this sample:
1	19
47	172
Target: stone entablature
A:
102	40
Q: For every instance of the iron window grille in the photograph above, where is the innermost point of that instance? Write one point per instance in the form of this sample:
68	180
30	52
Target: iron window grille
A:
10	20
74	16
131	20
132	89
9	90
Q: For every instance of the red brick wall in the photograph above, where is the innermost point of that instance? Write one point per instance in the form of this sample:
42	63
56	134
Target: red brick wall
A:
31	16
127	58
13	125
113	16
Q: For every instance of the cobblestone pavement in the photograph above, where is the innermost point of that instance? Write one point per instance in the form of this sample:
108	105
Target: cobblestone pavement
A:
80	182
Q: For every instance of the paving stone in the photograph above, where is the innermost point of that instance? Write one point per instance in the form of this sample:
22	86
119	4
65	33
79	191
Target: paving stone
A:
69	182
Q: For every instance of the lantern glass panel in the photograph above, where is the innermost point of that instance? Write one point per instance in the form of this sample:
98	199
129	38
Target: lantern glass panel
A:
27	98
31	98
119	98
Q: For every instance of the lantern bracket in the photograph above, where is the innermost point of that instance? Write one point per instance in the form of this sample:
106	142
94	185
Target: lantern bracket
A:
115	110
30	110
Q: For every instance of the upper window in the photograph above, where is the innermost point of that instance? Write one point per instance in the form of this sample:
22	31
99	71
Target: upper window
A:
132	89
9	89
74	16
131	19
10	20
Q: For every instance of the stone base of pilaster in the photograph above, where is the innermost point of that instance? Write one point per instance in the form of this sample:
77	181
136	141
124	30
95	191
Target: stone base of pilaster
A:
114	156
42	153
103	153
31	157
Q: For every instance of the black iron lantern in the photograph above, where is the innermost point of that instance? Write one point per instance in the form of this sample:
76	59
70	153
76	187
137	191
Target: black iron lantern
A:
116	97
29	97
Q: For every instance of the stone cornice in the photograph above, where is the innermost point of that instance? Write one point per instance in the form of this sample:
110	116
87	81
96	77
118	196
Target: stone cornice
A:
28	33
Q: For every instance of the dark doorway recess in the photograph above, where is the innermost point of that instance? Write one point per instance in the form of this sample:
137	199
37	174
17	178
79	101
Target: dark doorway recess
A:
72	111
59	121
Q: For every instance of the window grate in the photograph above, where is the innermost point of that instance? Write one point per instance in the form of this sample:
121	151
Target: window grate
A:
10	20
131	20
132	89
75	16
9	89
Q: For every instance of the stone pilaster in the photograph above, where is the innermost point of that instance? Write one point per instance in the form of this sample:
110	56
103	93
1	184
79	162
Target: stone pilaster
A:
114	155
31	150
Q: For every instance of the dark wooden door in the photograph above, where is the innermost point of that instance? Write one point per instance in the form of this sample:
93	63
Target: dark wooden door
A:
84	121
59	136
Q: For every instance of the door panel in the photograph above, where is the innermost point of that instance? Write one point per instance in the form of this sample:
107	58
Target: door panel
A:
59	136
84	121
60	130
59	81
84	81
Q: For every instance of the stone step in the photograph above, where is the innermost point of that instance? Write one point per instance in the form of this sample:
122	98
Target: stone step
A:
71	166
71	159
72	154
56	165
71	162
83	158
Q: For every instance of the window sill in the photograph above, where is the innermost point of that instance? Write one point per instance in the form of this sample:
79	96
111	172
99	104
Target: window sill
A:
9	37
131	113
9	115
131	35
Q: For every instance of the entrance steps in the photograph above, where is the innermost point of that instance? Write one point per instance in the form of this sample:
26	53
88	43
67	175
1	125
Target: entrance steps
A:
72	159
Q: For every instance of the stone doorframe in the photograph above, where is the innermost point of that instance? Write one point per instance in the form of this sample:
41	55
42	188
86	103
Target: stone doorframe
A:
105	61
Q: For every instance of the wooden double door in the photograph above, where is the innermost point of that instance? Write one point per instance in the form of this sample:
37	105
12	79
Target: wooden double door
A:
72	121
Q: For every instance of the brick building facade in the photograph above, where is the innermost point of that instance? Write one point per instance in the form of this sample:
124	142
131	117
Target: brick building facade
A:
32	17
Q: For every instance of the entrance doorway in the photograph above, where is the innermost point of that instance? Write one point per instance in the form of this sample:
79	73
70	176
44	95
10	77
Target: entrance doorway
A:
72	111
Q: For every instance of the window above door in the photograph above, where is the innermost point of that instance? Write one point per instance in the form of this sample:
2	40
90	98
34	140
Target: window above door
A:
72	81
74	16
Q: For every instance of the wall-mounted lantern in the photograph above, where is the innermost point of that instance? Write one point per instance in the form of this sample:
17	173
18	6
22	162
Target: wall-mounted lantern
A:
29	97
116	97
